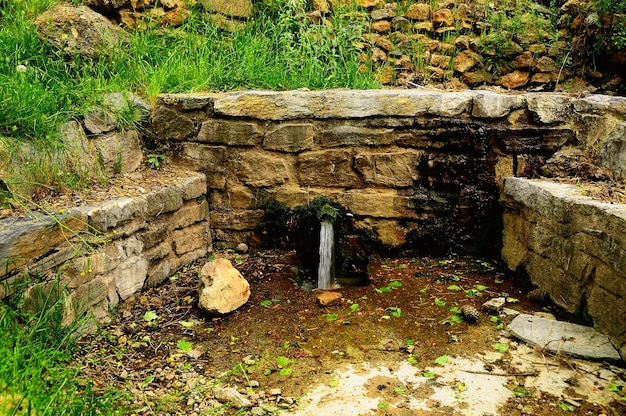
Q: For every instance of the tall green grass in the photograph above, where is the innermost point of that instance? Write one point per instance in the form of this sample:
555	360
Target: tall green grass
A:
36	377
277	49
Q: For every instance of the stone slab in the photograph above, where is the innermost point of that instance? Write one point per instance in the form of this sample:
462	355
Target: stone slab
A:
563	337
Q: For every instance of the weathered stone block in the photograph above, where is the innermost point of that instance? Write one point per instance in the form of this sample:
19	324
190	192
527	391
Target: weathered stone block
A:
608	312
194	186
550	108
534	140
348	135
395	169
379	204
230	132
130	275
234	196
191	212
611	151
234	8
492	105
258	169
164	200
159	251
327	168
112	213
190	238
119	152
292	137
155	233
210	159
34	237
167	124
235	220
158	273
274	105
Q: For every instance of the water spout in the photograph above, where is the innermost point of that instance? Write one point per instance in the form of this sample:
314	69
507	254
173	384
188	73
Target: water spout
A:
326	268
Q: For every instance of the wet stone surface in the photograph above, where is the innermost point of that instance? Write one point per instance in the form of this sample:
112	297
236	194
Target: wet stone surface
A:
398	346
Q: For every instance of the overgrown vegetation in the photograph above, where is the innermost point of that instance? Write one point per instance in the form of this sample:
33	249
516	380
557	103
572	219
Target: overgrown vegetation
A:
35	375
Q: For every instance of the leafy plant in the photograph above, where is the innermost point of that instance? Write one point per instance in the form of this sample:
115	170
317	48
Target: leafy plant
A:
566	406
330	317
155	160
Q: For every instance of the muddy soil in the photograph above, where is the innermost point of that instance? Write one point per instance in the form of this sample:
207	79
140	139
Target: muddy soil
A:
402	337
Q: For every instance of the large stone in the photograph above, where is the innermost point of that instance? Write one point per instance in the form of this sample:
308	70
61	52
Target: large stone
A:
292	137
488	104
234	8
442	18
168	124
327	168
130	276
99	121
349	135
79	30
222	289
275	105
465	61
611	151
258	169
230	396
210	159
514	79
418	11
563	337
119	152
395	169
233	133
550	108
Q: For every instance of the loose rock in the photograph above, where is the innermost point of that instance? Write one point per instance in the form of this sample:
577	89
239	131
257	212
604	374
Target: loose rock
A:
222	288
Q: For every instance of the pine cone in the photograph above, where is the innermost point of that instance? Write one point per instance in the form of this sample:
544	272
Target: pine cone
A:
469	313
538	296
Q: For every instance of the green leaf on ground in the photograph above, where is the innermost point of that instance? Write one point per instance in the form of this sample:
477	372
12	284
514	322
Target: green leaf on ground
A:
441	360
150	316
428	374
401	389
440	302
334	383
454	287
501	347
184	346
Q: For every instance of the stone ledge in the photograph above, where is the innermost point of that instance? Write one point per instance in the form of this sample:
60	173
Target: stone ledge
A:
107	246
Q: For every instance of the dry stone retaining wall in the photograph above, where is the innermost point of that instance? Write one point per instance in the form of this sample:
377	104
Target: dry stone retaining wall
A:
571	246
99	255
414	166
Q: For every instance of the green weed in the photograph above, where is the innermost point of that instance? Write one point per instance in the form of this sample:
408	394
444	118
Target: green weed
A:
36	373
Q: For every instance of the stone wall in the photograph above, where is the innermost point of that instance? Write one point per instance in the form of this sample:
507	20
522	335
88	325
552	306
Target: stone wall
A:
100	254
421	169
460	43
571	246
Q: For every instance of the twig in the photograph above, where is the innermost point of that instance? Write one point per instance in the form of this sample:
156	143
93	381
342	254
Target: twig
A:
533	374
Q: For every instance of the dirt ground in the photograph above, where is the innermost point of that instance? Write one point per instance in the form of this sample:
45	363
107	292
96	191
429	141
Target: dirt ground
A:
397	346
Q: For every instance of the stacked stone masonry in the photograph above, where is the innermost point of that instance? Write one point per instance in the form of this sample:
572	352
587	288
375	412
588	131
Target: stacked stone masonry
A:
571	246
99	255
420	170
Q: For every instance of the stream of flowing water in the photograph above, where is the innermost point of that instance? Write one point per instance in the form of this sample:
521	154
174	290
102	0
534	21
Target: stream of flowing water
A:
326	269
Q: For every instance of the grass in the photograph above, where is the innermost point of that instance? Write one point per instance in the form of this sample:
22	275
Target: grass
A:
276	50
36	377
